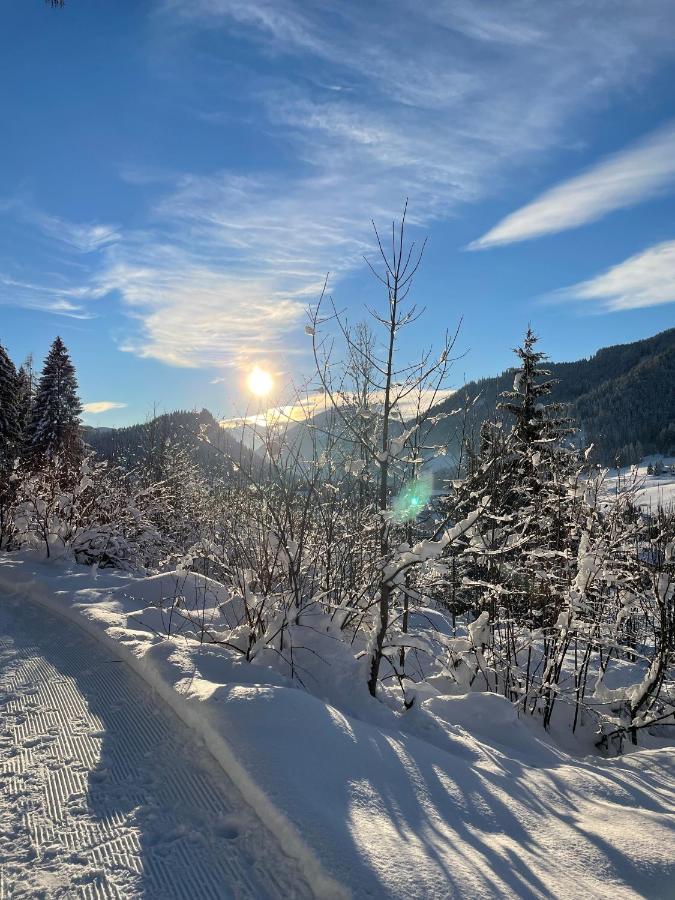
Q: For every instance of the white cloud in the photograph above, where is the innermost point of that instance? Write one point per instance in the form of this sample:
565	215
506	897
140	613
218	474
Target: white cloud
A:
65	293
438	101
102	406
621	180
80	237
646	279
196	315
59	299
83	238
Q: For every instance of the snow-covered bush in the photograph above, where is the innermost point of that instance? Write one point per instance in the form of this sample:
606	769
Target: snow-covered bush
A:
87	512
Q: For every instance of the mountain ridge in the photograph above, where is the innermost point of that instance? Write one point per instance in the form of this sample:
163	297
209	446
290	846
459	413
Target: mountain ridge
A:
622	398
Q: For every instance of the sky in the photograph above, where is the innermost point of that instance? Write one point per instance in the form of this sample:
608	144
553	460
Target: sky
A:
178	177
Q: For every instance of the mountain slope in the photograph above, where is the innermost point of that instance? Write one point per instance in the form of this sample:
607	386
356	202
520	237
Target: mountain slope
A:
623	399
211	446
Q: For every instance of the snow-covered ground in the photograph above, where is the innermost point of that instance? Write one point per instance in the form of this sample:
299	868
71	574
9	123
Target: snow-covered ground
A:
104	792
653	490
457	798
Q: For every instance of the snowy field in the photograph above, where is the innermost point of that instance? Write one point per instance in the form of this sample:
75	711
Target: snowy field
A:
653	490
457	798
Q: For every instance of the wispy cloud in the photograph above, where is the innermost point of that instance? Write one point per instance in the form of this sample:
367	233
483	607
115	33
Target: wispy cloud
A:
57	298
196	315
59	243
437	101
84	238
621	180
646	279
102	406
78	237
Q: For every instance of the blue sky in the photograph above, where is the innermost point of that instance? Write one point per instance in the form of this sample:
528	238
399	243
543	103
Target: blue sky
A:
176	178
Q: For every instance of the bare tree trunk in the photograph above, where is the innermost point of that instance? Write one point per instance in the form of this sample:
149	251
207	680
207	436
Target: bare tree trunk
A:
385	588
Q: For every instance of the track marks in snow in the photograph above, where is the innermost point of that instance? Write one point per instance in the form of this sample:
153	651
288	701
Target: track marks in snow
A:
104	793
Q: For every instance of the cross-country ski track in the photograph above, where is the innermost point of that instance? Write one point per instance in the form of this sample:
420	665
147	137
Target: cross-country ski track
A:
104	792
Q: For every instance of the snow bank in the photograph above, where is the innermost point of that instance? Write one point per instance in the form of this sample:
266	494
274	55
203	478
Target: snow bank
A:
99	604
457	798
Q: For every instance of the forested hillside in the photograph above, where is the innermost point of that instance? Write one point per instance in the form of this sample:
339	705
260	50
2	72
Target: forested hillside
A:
622	399
151	443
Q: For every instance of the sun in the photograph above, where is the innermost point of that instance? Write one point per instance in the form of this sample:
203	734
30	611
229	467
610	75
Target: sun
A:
259	382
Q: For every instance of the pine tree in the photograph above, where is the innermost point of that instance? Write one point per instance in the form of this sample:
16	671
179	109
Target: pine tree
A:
536	422
540	457
9	413
24	399
526	471
54	428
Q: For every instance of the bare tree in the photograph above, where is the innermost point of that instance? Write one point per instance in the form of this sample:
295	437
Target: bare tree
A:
391	386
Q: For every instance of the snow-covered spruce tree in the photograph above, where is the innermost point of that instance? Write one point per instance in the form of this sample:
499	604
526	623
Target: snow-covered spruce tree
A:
512	569
536	422
538	467
559	576
526	472
10	435
54	428
24	398
9	412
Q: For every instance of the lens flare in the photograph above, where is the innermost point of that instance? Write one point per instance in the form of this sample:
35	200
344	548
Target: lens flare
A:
412	499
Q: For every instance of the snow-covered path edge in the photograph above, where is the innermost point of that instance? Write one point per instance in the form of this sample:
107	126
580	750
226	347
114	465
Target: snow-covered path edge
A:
30	587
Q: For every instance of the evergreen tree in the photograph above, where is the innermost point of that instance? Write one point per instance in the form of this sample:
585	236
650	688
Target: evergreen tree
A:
24	400
9	413
541	462
522	540
536	422
9	441
54	428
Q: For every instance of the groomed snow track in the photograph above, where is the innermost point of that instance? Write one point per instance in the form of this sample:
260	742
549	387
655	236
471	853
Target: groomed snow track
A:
104	792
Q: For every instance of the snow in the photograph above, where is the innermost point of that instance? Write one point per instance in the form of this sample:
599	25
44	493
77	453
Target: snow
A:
653	490
105	793
456	798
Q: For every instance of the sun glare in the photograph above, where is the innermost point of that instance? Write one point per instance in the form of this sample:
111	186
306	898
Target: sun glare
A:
259	382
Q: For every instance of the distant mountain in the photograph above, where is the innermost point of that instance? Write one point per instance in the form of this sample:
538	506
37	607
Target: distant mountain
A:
622	398
143	443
